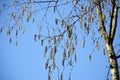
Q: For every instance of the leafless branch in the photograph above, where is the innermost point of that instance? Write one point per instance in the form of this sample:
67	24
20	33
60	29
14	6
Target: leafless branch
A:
45	1
118	56
113	22
108	74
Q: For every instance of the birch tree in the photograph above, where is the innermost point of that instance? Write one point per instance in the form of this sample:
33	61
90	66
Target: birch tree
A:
57	23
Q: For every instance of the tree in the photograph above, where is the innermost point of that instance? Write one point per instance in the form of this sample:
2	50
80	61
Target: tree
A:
95	20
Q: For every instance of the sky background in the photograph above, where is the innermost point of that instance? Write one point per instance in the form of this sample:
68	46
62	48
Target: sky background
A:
26	61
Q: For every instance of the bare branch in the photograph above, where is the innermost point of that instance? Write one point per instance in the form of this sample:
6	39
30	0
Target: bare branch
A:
118	51
118	6
118	56
45	1
101	22
108	74
113	22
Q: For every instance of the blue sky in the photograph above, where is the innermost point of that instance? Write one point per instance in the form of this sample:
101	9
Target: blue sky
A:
26	61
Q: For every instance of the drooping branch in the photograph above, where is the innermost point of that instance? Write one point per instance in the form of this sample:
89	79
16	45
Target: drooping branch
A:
113	22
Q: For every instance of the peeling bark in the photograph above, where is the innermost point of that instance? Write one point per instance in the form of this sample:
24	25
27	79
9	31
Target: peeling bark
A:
107	40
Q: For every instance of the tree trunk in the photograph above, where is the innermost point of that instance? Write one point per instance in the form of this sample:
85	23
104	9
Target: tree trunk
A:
113	62
108	39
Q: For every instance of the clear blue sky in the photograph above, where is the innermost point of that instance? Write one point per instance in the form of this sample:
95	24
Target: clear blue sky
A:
26	61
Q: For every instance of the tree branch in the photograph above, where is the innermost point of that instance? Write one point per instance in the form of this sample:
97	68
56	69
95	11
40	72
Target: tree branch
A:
108	74
45	1
101	22
113	22
118	56
110	50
